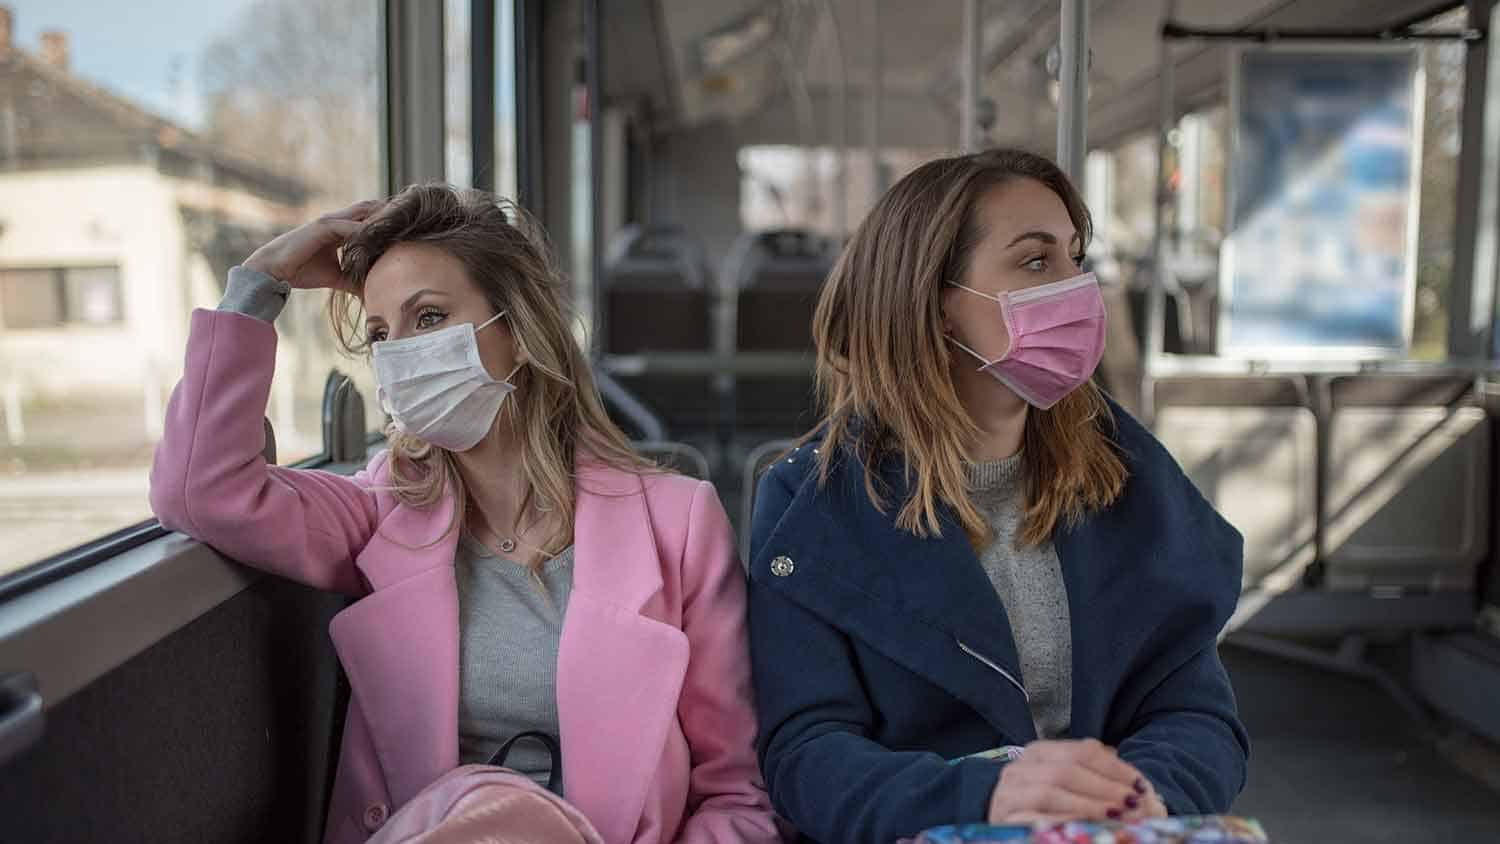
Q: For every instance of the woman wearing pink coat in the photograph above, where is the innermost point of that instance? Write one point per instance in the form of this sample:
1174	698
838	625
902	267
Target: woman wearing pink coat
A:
518	568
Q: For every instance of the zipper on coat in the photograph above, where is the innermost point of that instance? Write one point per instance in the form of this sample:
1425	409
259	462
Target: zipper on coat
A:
996	668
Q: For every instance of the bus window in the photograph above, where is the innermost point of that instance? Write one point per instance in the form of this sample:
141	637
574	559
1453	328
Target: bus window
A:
141	156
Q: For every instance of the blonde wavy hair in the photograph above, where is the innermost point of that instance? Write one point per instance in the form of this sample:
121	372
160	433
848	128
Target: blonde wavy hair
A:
884	368
556	407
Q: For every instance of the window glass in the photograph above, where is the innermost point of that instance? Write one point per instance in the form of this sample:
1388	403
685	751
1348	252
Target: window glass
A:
30	299
91	295
784	186
144	150
458	150
1197	165
505	99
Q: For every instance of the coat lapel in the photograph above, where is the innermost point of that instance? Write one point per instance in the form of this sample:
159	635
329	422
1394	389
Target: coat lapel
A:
399	646
619	671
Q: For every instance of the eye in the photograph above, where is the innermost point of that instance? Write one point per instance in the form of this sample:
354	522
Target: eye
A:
1080	258
375	335
1037	264
428	317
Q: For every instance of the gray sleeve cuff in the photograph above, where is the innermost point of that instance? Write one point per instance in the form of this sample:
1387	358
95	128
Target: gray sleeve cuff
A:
255	294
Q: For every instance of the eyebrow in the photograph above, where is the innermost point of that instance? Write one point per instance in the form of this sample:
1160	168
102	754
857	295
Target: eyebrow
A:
407	305
1045	237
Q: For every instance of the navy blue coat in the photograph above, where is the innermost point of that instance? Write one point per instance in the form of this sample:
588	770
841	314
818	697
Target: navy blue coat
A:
880	658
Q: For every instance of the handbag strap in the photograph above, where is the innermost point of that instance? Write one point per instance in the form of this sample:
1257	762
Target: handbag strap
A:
554	776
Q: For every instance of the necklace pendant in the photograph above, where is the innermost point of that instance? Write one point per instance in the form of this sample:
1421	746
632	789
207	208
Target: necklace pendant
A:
507	545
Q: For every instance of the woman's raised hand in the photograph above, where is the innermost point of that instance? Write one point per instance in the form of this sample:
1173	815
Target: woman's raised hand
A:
1085	780
307	257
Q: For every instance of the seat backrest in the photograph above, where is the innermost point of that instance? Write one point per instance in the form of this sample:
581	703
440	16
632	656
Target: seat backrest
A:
268	451
1249	444
678	457
760	458
656	292
1408	482
655	256
776	277
345	437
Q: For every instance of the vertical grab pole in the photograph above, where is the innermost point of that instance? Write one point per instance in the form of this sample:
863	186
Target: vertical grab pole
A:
872	112
968	107
1073	78
1156	296
840	126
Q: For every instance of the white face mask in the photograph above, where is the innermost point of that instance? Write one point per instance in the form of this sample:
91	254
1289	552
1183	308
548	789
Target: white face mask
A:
436	388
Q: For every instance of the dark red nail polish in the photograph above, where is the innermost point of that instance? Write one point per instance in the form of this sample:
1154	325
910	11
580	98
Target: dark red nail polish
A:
1140	786
1113	814
1132	802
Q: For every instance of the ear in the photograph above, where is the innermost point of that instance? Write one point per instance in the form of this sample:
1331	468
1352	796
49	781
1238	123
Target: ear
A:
944	298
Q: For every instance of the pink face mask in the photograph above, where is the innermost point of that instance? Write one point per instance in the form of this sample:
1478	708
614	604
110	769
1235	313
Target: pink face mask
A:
1056	338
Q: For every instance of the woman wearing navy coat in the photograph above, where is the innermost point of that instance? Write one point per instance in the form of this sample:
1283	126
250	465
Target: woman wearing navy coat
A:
980	591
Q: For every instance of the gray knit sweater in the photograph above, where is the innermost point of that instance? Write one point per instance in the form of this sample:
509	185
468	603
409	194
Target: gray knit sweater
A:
1030	584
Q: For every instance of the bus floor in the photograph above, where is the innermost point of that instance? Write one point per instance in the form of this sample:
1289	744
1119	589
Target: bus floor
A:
1335	761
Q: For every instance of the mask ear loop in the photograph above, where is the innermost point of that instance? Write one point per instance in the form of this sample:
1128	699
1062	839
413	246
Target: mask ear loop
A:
975	292
977	356
506	379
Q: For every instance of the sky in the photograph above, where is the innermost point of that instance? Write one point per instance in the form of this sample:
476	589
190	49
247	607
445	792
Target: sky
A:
131	47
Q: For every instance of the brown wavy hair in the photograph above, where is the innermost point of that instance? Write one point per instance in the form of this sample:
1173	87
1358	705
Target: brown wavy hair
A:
883	366
556	407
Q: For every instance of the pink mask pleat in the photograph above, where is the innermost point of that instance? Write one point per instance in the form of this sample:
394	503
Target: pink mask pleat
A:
1056	339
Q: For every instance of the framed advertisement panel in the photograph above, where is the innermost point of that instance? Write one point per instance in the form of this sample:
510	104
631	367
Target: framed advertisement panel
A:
1319	258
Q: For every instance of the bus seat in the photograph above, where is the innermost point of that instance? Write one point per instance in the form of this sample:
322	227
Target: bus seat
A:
775	277
1408	483
657	299
678	457
760	458
268	451
1250	446
656	292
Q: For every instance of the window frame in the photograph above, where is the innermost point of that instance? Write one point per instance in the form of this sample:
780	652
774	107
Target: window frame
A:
63	564
57	278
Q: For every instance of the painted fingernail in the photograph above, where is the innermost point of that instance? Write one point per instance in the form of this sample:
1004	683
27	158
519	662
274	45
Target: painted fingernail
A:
1132	802
1140	786
1113	814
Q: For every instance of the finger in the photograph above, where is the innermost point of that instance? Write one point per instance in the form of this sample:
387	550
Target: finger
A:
1086	782
1060	800
1154	807
1104	761
358	211
1043	791
342	230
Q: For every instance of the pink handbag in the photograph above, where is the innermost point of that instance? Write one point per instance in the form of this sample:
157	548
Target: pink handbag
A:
488	804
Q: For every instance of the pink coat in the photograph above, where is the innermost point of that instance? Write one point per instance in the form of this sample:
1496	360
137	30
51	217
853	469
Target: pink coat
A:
653	676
